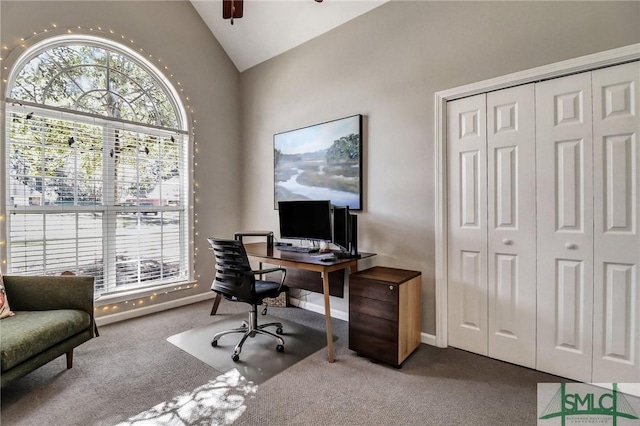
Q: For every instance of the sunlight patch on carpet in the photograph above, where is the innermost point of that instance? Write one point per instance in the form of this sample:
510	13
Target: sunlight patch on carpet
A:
220	401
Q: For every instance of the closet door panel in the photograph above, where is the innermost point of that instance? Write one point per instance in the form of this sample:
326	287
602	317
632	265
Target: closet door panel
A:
467	270
511	225
564	170
616	126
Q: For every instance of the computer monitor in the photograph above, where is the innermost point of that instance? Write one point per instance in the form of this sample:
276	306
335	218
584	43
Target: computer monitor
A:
305	220
341	228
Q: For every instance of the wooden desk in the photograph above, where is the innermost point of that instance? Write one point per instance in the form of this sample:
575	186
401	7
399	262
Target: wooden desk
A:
309	262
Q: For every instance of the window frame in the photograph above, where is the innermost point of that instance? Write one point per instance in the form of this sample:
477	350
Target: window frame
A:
15	63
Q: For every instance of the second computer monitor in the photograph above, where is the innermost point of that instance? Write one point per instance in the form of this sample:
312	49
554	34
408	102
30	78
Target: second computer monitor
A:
341	228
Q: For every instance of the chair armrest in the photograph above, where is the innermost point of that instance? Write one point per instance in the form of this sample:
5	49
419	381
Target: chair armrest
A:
43	293
266	271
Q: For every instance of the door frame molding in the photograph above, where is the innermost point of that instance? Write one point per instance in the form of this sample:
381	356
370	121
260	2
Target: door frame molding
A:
546	72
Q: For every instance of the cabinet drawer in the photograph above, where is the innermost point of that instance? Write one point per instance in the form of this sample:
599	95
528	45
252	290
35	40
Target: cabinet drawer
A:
373	307
373	289
373	347
372	326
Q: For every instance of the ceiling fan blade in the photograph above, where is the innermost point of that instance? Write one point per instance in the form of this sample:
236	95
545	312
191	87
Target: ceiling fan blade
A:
232	7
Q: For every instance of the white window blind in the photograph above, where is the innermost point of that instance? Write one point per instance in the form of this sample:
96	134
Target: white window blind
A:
92	193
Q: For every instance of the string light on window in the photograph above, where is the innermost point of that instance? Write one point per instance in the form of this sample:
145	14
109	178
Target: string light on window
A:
141	301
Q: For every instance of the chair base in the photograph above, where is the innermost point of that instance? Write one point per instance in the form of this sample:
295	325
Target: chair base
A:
250	329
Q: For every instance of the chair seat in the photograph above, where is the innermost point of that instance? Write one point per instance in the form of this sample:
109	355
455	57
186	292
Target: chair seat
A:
269	288
264	289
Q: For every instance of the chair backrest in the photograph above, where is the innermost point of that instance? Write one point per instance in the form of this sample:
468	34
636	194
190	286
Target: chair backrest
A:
233	271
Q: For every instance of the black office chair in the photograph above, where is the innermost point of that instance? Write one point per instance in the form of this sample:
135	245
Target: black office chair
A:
236	281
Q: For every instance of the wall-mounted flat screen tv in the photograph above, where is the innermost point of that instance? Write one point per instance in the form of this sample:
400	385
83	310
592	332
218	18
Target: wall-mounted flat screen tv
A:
320	162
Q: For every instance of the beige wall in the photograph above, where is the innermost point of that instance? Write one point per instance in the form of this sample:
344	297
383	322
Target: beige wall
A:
173	33
387	65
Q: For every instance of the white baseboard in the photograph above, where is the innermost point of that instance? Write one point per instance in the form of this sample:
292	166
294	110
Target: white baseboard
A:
428	339
318	308
138	312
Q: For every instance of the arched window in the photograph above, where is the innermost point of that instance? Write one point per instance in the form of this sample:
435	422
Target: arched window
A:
97	166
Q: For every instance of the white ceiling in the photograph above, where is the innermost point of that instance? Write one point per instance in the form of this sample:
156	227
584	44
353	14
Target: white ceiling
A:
271	27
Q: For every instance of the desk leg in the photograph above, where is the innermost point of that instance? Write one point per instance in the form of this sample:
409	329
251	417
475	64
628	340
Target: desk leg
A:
327	313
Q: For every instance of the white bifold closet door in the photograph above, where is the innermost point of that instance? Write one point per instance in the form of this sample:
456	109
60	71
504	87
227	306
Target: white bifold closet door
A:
616	155
491	297
588	242
564	166
512	225
544	225
467	245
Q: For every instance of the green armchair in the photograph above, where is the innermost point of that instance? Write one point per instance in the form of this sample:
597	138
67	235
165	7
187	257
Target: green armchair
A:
53	315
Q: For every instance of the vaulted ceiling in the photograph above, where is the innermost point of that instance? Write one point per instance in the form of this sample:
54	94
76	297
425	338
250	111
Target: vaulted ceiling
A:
271	27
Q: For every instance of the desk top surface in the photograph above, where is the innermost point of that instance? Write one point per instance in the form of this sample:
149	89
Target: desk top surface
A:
263	251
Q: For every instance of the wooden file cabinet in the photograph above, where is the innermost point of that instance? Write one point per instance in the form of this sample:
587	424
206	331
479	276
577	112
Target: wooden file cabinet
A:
384	313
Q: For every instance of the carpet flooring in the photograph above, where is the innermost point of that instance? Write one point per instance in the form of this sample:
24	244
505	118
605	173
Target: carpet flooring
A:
131	375
259	360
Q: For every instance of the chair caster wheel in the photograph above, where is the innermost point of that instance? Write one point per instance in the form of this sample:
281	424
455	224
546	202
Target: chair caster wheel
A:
280	348
235	357
214	343
279	330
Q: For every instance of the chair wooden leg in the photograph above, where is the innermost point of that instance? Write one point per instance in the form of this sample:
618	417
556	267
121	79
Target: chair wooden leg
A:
216	303
70	359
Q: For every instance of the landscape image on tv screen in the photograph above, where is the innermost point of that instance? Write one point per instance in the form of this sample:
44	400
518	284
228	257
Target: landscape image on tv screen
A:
320	162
